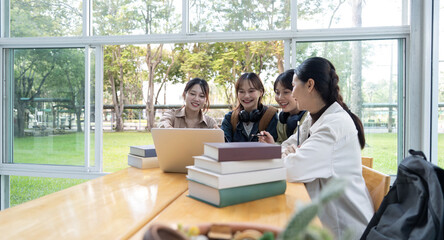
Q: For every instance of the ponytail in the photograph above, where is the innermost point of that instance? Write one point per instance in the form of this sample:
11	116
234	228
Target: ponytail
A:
337	97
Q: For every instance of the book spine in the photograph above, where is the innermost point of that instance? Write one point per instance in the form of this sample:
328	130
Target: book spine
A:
231	196
241	154
134	162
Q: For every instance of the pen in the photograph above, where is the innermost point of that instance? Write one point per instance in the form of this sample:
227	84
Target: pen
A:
257	135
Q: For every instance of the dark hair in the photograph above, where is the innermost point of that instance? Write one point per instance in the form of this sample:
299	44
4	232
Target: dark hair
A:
254	79
326	80
205	89
286	79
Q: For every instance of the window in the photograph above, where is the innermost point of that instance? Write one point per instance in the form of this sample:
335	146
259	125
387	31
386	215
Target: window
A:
42	18
369	80
345	13
49	106
128	17
226	15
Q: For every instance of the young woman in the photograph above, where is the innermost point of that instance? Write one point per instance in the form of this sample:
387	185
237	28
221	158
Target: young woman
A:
191	115
333	148
250	116
290	118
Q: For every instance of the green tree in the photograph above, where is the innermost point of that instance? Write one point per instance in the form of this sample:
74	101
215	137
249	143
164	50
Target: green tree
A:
68	82
41	18
31	69
155	16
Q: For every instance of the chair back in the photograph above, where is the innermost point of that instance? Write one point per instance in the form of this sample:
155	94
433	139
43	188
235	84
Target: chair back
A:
367	161
378	184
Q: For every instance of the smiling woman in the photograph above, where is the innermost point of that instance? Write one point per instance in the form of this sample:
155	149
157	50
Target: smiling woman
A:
192	114
250	116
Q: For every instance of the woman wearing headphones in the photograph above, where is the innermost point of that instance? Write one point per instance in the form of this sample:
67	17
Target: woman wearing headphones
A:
250	116
191	115
333	149
290	118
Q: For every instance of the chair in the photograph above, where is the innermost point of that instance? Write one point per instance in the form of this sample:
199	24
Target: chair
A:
377	183
367	161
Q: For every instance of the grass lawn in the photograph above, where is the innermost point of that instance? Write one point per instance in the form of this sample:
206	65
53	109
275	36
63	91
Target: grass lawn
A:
68	150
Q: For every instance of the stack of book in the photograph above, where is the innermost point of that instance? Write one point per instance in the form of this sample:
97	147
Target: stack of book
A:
236	172
143	157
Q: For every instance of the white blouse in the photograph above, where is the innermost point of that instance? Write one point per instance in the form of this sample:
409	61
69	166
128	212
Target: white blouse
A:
333	150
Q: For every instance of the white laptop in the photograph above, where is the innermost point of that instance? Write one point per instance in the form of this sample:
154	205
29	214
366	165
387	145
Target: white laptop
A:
175	147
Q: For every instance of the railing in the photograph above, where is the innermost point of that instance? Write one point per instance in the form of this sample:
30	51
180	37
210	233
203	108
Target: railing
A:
388	110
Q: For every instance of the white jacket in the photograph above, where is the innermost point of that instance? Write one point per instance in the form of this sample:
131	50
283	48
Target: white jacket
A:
333	150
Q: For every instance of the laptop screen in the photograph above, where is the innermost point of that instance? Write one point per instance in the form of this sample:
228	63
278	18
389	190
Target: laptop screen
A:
175	147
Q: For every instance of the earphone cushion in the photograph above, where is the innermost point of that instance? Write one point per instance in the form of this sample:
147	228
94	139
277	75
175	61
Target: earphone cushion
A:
255	115
244	116
283	117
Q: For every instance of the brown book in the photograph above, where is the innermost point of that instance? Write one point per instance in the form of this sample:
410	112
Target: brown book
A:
239	151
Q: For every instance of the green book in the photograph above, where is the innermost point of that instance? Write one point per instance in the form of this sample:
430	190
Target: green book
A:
231	196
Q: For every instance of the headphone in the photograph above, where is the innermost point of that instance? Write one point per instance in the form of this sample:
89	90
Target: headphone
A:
252	116
283	116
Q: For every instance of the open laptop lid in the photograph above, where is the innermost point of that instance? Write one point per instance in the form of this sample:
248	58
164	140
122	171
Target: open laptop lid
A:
175	147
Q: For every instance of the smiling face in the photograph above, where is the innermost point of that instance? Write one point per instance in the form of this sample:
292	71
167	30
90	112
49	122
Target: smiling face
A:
248	96
194	99
284	98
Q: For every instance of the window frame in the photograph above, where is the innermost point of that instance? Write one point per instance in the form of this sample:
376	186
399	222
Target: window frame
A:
417	117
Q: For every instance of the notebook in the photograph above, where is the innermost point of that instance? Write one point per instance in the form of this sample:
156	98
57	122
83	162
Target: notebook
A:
175	147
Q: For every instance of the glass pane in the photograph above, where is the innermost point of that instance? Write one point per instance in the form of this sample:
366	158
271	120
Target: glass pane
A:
25	189
368	79
351	13
42	18
229	15
49	90
127	17
441	87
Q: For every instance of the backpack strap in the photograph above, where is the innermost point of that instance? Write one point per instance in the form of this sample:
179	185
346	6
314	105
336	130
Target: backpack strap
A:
266	118
234	120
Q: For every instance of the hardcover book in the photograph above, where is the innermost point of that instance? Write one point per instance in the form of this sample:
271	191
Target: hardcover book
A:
143	151
141	162
228	167
236	195
239	151
221	181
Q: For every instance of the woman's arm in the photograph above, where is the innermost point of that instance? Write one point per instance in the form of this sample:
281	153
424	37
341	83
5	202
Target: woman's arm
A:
227	128
167	119
313	159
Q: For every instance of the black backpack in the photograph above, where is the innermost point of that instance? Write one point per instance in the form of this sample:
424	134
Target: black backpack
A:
414	206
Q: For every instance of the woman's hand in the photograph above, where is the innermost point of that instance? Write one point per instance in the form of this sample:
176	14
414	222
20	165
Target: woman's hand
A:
265	137
290	149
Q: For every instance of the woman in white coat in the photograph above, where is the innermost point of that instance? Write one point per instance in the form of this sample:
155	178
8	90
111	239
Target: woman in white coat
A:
332	149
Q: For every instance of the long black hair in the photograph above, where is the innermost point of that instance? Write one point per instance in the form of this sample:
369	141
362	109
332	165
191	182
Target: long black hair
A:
326	80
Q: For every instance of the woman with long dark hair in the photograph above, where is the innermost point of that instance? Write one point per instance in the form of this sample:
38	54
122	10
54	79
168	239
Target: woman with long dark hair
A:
332	149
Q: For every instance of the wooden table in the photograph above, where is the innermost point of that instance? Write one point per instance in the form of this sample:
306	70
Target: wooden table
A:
111	207
122	205
274	211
